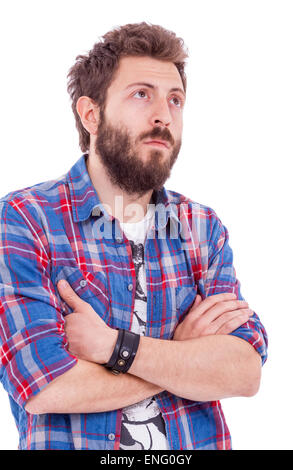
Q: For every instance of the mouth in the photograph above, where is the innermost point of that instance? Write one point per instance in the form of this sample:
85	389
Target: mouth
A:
158	143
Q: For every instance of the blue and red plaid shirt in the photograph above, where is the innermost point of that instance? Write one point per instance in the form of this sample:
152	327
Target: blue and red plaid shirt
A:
52	231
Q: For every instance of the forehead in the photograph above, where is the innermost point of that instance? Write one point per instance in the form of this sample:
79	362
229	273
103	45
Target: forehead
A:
142	69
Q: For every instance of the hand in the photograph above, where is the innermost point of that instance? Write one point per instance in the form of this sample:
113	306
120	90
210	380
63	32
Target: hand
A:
218	314
88	336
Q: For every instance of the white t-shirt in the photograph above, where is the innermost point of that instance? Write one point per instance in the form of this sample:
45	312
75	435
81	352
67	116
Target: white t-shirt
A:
143	427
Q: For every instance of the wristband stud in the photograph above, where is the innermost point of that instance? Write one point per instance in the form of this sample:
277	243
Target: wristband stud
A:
124	352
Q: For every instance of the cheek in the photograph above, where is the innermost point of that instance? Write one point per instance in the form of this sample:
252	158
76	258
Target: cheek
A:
130	112
178	123
130	123
178	134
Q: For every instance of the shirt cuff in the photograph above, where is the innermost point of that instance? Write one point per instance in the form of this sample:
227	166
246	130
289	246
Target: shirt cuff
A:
32	359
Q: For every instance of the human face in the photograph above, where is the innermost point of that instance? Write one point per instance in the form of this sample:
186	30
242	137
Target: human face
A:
139	144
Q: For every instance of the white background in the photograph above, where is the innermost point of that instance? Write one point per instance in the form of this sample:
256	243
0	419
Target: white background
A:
236	153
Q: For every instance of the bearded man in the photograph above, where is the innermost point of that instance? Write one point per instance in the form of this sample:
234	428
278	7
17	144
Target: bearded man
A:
122	322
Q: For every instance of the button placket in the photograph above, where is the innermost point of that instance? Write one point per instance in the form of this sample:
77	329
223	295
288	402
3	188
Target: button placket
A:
83	283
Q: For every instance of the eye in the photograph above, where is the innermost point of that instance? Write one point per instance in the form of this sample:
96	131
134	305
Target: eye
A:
141	93
177	101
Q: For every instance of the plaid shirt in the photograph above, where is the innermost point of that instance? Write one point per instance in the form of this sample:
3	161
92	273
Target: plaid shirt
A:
52	231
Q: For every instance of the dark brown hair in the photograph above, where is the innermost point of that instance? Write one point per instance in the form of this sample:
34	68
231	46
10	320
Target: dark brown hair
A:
93	73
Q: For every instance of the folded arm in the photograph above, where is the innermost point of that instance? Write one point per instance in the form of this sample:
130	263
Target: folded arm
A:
90	388
184	368
206	367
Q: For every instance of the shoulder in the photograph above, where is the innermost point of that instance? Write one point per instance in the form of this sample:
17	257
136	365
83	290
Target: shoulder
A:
30	211
35	198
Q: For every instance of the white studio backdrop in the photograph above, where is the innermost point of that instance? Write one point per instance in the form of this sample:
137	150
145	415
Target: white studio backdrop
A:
236	153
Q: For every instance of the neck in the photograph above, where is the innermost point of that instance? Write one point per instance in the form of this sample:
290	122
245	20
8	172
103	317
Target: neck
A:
123	206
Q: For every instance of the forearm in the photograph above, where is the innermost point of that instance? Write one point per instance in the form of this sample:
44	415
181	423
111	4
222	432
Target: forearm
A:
203	369
90	388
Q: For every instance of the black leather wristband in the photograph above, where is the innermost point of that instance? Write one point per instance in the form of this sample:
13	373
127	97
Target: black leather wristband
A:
115	353
124	352
129	349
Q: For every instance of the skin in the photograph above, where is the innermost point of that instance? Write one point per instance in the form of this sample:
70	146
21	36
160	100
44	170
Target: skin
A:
202	362
141	109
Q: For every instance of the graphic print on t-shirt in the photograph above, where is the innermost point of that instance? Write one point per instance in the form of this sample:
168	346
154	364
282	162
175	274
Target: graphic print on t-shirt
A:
142	427
139	312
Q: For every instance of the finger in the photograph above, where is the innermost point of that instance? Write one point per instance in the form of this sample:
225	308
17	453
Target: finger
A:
224	319
235	322
221	308
212	300
222	311
190	314
198	300
224	304
70	296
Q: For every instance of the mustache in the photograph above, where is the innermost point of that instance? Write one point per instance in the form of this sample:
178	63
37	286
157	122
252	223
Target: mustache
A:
158	132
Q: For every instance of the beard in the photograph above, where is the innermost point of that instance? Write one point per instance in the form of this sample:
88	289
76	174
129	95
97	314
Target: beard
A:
125	168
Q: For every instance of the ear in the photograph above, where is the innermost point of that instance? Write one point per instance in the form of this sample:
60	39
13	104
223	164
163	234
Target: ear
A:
88	112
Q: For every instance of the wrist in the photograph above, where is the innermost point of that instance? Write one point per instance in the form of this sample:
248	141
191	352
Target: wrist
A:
113	336
124	352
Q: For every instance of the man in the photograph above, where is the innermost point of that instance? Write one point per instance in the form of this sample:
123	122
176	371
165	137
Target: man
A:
150	330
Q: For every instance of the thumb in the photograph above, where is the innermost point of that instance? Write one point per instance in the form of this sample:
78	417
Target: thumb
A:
198	300
70	296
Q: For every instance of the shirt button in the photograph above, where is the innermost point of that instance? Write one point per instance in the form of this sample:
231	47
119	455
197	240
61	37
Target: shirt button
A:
83	283
111	436
119	240
130	287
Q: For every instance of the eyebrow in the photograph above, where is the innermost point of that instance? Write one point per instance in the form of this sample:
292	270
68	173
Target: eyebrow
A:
149	85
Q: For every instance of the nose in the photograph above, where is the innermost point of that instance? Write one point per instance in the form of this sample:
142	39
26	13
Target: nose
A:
161	115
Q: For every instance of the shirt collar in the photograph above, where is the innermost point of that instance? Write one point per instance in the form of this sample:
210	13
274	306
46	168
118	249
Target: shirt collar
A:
85	200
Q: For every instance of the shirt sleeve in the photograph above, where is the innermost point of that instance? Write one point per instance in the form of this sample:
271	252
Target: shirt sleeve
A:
32	339
221	278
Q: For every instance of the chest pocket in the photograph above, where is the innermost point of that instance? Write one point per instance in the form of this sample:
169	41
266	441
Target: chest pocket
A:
89	286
